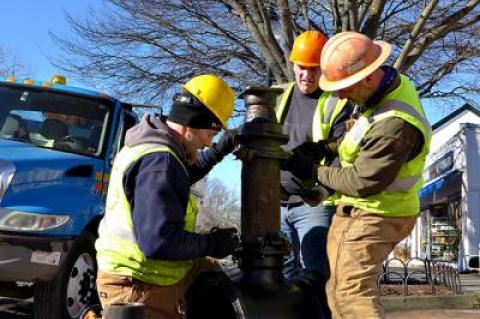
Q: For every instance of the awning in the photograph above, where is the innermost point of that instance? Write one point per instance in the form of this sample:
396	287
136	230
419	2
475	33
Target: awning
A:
444	186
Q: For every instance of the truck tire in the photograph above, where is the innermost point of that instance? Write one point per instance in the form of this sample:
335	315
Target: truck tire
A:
74	287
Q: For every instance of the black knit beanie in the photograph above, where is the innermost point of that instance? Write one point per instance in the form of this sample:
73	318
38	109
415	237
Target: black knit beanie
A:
187	110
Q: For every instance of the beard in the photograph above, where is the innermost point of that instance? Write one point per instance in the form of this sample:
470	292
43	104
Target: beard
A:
191	148
362	96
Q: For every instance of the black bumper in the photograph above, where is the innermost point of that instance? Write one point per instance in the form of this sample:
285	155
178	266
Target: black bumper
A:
27	258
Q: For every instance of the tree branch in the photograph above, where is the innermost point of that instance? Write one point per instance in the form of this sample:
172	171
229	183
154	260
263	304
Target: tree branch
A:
375	12
287	34
414	34
442	28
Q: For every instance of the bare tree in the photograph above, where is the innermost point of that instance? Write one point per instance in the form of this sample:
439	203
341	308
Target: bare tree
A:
144	48
11	65
220	207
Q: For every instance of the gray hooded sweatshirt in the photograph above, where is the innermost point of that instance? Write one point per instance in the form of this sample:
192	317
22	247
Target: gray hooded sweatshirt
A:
158	189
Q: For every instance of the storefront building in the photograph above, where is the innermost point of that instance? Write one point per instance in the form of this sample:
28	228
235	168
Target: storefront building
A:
448	228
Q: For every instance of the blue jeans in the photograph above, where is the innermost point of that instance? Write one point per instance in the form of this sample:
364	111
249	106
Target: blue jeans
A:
306	229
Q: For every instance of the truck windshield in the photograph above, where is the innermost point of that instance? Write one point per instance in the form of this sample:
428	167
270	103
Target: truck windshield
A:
54	120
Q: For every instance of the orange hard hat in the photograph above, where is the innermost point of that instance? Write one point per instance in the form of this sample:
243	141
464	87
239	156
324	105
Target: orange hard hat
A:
307	48
349	57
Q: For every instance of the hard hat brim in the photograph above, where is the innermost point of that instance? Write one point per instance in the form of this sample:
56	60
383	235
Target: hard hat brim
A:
332	86
308	65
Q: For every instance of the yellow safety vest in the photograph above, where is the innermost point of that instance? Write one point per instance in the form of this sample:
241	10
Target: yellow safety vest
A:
329	106
117	248
400	198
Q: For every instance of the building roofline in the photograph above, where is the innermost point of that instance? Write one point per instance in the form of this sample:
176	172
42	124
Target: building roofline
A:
465	107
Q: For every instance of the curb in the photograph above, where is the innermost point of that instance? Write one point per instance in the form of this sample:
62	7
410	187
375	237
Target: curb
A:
465	301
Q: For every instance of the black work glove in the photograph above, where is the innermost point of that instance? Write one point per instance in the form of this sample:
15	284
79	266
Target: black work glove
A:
223	242
317	194
226	143
314	150
301	166
313	194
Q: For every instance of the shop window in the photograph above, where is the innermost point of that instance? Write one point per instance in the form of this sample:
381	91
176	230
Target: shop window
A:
443	232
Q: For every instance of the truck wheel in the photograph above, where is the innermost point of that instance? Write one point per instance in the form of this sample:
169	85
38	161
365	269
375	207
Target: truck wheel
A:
74	287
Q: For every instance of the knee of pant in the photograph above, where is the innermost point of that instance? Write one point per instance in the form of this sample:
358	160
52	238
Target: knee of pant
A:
314	243
316	234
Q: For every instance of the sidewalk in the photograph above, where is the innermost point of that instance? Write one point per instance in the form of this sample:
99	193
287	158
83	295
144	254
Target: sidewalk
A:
470	282
435	314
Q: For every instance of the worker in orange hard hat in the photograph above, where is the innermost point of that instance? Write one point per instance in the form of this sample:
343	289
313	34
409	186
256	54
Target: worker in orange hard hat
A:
382	160
308	114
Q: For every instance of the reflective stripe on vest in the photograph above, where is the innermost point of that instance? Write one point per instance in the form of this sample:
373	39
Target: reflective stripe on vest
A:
382	113
329	106
400	198
364	123
117	248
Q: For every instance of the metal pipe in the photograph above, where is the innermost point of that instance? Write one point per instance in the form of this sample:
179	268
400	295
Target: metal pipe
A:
259	289
263	291
260	150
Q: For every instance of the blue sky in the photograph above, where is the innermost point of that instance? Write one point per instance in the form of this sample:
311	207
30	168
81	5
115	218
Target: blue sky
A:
26	24
29	22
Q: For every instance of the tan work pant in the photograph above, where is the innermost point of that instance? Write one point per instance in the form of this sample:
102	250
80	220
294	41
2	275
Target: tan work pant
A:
358	243
161	302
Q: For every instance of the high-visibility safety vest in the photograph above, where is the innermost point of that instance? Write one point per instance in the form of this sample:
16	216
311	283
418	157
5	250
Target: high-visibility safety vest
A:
329	106
400	198
117	248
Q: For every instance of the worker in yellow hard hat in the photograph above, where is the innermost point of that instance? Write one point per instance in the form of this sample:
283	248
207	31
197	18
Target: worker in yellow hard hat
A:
148	250
308	114
382	158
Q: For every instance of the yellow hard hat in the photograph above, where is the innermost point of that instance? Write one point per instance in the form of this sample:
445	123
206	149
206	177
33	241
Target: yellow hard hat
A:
349	57
307	48
214	93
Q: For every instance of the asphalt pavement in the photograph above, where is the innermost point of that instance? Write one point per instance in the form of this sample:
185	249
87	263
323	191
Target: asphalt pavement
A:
16	308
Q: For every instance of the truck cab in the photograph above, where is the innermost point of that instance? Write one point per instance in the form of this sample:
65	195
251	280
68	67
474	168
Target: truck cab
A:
57	145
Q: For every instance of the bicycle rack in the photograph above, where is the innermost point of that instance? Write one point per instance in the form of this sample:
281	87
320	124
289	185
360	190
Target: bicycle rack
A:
435	273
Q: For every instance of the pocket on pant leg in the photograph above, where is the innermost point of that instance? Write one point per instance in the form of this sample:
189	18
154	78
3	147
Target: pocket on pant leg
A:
113	289
141	291
357	226
378	228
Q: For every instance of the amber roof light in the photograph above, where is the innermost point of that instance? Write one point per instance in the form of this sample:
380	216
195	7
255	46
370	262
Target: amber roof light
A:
59	79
